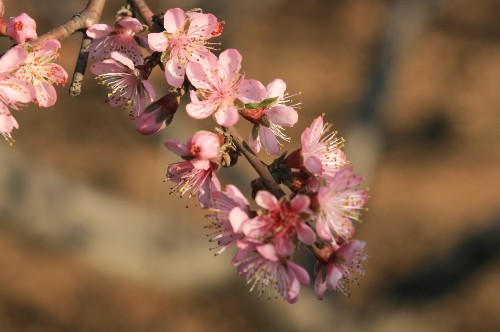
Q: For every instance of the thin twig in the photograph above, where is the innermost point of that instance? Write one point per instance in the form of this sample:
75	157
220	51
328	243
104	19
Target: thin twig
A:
89	16
256	163
81	64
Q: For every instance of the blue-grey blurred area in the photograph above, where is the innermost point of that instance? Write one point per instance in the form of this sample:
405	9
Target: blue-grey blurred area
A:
91	239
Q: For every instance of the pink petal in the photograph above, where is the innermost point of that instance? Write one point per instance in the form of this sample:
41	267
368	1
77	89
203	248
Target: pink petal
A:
174	73
293	291
227	116
266	200
17	90
312	134
12	59
236	195
333	276
284	116
254	143
197	75
46	94
106	67
276	88
49	47
323	230
313	165
269	140
237	218
268	251
320	285
7	123
301	273
306	234
149	90
177	147
199	109
201	25
123	59
99	30
300	203
229	63
174	20
131	23
251	91
202	164
351	248
158	41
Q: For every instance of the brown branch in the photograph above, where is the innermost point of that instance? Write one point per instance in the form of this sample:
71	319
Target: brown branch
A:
89	16
81	64
141	8
256	163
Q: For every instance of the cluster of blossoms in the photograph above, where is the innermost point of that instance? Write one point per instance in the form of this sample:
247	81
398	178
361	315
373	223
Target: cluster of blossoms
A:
27	73
324	195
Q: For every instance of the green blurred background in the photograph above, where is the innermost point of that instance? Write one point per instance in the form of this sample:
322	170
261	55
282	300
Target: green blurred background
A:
91	240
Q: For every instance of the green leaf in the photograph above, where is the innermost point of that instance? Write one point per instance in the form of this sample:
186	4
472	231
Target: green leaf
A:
264	103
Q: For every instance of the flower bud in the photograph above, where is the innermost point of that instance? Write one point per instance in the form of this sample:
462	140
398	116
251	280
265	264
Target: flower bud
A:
22	28
158	115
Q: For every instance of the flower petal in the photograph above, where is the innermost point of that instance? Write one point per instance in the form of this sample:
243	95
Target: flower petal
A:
158	41
285	116
131	23
269	140
174	73
11	59
99	30
266	200
276	88
201	25
174	20
229	63
227	116
251	91
237	218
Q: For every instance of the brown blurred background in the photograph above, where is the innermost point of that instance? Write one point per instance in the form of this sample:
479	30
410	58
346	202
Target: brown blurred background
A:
90	239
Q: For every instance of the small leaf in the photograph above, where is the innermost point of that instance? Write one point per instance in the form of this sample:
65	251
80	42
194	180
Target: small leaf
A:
264	103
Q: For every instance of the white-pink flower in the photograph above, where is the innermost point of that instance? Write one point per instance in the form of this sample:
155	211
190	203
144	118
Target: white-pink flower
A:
198	173
42	73
184	40
336	266
126	82
13	90
269	271
230	209
107	39
321	150
340	201
219	85
21	28
273	118
282	220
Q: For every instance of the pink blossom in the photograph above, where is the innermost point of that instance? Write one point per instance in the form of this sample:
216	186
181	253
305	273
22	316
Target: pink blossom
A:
336	266
203	145
230	209
197	174
184	40
107	39
219	87
282	220
268	270
42	73
126	82
272	120
340	201
13	90
21	28
321	151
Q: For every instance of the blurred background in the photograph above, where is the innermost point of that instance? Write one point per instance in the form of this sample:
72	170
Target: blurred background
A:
91	240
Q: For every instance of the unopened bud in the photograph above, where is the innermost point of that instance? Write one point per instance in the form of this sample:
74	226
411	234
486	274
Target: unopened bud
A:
158	115
22	28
